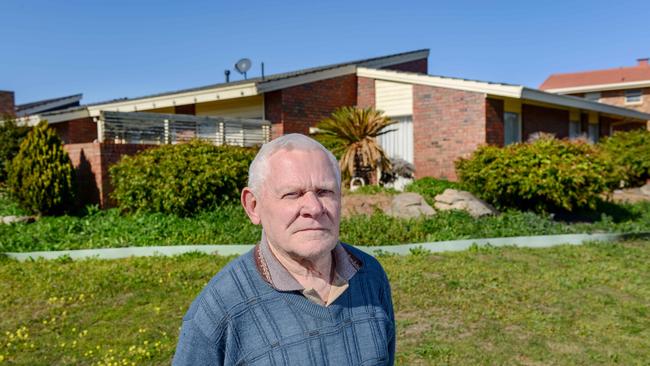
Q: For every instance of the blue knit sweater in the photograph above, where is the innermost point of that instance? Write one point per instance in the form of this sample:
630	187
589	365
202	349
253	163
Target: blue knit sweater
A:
239	319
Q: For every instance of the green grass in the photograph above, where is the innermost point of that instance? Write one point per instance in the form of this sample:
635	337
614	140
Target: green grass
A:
229	225
587	305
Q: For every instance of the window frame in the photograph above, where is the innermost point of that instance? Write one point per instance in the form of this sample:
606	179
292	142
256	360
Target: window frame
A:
635	91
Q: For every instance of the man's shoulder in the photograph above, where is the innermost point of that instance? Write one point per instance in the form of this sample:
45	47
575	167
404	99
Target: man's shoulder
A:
232	287
368	262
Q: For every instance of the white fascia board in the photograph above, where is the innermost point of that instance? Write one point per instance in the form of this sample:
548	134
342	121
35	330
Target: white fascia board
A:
290	81
50	105
600	87
181	98
512	91
579	103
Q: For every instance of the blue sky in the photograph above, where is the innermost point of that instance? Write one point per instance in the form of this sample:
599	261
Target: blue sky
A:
113	49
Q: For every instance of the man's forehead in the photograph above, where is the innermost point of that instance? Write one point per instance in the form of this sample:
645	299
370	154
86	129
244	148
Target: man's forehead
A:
292	168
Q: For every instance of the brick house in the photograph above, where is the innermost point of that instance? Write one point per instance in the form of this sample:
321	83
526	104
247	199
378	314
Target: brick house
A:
440	118
627	87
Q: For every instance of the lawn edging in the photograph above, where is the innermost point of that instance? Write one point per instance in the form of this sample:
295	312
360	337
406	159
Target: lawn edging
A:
541	241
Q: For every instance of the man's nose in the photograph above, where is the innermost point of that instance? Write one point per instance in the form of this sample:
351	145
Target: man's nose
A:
311	204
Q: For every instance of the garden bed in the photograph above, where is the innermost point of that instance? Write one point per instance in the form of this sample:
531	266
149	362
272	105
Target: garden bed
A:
229	225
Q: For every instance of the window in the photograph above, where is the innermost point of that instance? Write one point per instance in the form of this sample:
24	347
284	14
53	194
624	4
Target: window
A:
574	129
594	97
593	132
633	96
512	128
399	142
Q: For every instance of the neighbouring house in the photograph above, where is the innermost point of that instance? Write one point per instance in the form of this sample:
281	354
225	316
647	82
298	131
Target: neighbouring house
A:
440	118
10	109
627	87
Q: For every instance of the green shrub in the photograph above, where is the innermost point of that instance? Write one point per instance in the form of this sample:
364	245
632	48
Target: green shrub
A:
547	175
429	187
11	135
180	179
631	151
41	176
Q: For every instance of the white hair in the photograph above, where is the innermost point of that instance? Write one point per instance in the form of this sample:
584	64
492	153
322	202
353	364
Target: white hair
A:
293	141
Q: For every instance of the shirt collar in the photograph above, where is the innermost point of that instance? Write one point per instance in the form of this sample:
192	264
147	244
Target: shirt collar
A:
345	267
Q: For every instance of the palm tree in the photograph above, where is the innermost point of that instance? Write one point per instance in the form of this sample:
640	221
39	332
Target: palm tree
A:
351	133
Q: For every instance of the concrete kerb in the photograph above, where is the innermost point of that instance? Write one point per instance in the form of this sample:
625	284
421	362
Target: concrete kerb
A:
543	241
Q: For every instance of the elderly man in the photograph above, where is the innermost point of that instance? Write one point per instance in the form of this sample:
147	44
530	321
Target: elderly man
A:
300	297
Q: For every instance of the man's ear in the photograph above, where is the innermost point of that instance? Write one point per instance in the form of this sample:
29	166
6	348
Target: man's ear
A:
250	203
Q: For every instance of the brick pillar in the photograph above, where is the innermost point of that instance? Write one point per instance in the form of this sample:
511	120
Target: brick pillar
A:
7	104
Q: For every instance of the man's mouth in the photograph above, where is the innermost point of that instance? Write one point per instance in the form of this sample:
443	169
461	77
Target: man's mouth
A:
313	229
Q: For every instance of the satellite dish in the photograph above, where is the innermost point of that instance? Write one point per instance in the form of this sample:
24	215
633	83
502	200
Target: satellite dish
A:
243	65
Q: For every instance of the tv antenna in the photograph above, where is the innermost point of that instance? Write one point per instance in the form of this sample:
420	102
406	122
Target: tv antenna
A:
242	66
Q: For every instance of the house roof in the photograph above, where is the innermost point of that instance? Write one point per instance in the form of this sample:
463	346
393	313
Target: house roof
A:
608	79
235	89
381	61
46	105
502	90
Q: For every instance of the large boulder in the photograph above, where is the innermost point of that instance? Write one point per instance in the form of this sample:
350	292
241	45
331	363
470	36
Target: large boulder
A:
452	199
409	205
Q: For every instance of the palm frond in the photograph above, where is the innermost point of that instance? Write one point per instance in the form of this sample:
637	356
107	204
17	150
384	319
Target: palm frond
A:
355	130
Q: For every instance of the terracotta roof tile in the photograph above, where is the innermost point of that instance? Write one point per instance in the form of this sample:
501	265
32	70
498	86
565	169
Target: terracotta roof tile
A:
640	72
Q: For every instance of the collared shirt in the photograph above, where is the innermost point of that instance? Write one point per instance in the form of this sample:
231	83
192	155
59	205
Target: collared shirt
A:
345	266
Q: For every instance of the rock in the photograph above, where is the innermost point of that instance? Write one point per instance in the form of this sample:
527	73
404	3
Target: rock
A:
364	204
17	219
452	199
646	189
409	205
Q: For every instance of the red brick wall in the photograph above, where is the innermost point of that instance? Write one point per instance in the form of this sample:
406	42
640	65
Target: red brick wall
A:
365	92
76	131
447	124
273	112
494	121
7	104
111	154
91	162
420	66
542	119
303	106
86	159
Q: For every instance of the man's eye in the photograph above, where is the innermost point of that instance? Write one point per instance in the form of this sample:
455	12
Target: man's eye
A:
291	195
325	192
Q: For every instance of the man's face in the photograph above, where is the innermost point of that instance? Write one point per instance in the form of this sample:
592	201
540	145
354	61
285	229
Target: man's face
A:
300	204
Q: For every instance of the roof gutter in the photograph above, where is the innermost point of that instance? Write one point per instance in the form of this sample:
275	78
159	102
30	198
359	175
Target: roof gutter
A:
580	103
600	87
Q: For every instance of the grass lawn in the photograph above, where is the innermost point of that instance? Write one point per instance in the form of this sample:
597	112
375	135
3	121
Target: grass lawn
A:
229	225
564	305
